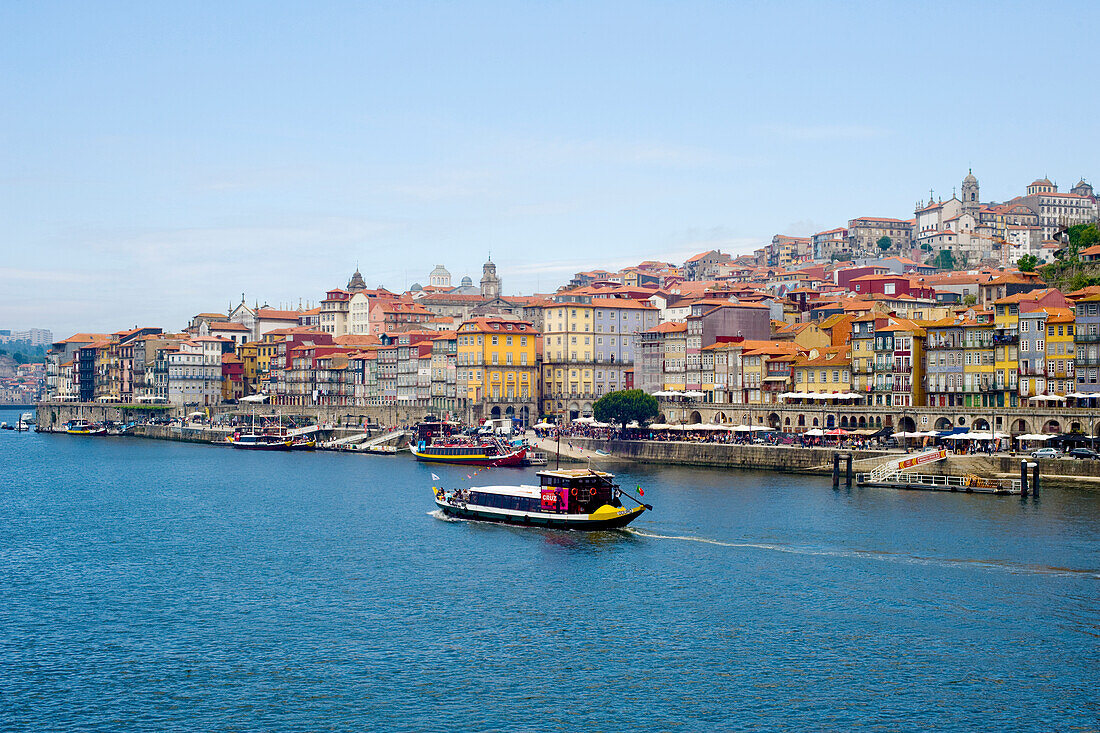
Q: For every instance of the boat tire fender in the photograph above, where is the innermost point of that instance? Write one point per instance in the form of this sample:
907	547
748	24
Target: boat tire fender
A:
573	491
592	491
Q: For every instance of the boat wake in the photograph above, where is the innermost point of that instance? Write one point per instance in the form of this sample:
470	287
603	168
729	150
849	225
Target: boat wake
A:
441	516
882	555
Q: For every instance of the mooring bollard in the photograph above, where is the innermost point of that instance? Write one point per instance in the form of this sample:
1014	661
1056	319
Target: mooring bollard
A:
848	472
1023	478
836	470
1035	478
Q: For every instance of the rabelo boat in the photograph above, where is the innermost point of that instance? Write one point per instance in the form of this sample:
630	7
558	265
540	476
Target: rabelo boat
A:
564	499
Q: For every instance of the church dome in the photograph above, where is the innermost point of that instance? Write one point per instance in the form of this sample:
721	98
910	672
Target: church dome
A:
416	288
467	282
357	282
439	271
970	177
1042	182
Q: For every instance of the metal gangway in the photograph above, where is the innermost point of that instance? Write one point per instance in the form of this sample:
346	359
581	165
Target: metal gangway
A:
957	483
363	441
890	470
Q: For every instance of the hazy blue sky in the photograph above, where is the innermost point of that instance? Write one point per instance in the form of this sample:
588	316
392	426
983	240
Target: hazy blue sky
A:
158	159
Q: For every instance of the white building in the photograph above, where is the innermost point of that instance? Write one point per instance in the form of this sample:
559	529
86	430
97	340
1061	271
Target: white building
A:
1022	240
33	336
1057	210
358	318
195	372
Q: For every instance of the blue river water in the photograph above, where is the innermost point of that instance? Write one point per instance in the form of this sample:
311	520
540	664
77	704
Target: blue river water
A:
149	585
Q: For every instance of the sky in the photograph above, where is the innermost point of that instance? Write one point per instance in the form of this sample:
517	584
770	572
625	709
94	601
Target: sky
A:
160	159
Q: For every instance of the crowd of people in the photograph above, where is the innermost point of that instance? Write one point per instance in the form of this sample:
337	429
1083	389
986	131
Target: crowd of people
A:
849	441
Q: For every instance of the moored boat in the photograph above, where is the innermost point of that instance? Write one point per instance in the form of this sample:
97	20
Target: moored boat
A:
471	453
566	499
84	427
259	441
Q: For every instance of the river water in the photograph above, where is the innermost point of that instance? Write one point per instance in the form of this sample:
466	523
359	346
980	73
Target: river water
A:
154	585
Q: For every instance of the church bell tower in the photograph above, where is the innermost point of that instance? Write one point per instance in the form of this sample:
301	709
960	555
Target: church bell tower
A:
971	198
490	283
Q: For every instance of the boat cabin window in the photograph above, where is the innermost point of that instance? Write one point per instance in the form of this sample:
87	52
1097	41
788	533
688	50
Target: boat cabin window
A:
586	482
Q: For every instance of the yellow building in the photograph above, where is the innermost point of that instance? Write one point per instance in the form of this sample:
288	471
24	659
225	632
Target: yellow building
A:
979	369
807	335
568	330
766	370
588	344
266	351
823	371
249	355
1006	339
1060	352
497	368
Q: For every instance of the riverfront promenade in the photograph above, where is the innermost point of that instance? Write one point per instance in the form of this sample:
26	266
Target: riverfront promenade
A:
795	459
576	449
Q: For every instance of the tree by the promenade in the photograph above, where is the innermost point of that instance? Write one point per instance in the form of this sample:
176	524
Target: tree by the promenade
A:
625	406
884	243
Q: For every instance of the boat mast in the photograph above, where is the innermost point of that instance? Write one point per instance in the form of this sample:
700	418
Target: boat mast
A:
557	464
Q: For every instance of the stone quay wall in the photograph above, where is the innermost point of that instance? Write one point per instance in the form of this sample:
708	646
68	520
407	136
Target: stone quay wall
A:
725	455
793	459
52	415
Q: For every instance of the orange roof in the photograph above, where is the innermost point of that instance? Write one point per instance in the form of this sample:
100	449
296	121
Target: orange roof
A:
829	356
294	330
622	303
880	218
76	337
1031	295
493	325
357	339
769	347
668	327
1014	278
276	315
